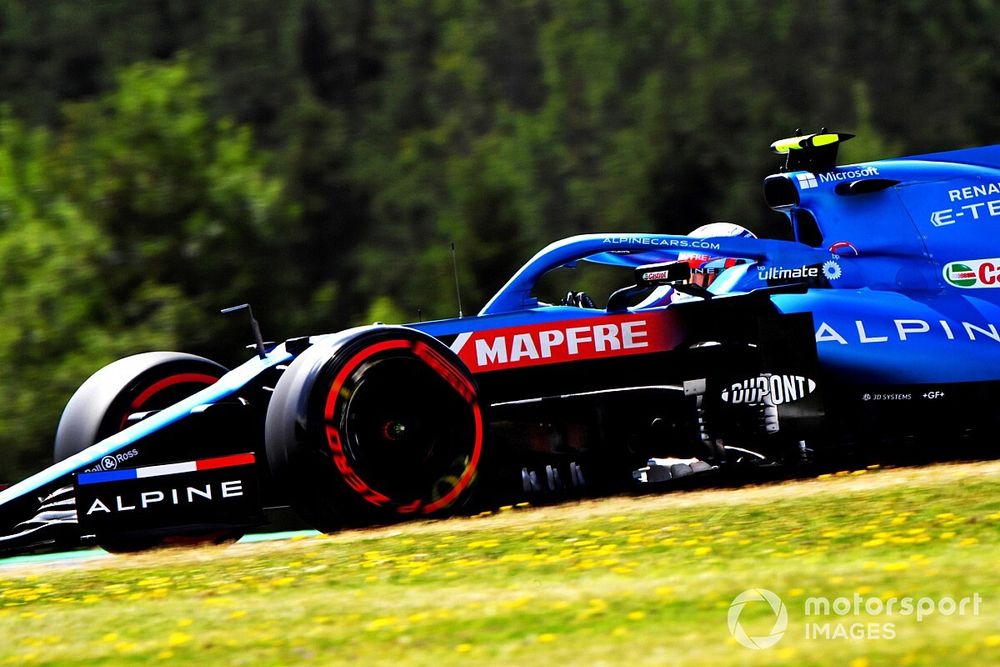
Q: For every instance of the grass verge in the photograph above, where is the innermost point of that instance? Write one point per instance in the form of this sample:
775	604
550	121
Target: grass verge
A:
638	581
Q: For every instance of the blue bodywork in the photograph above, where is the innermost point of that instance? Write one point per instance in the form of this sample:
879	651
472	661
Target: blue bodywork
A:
887	315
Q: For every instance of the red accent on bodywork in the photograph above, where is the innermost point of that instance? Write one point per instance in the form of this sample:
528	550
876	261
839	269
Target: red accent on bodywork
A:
226	461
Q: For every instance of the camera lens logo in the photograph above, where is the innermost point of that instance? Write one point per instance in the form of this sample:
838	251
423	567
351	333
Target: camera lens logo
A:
777	608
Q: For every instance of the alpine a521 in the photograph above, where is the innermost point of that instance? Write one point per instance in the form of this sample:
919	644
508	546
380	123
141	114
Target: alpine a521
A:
878	320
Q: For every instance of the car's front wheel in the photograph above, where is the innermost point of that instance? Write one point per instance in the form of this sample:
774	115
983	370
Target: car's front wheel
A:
381	425
117	396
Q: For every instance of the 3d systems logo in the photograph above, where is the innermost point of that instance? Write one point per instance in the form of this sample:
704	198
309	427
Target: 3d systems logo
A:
777	608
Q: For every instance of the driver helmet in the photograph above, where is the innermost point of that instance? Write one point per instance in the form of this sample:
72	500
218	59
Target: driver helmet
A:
704	268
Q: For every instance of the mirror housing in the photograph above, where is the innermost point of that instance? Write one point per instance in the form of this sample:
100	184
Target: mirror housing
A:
666	273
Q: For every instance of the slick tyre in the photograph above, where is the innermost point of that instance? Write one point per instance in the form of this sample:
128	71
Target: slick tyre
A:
141	383
111	397
380	425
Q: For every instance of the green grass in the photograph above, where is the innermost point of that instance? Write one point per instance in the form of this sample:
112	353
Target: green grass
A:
643	581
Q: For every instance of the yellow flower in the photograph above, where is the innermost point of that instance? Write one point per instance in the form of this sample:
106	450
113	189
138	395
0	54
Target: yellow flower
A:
546	637
636	615
178	639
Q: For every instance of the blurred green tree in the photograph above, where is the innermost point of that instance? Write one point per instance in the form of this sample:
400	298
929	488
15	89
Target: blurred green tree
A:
123	231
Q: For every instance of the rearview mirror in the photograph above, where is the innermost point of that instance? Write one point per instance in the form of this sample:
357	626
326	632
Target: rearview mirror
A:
667	273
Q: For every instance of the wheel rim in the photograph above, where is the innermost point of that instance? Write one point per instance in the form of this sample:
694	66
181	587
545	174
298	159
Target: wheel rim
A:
404	427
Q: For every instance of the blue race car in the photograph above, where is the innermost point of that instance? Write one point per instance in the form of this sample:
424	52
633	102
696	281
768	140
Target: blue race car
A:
880	320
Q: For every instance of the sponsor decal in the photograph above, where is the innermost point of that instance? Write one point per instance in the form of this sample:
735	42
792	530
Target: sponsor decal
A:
974	192
973	273
650	276
904	330
930	395
766	273
111	462
661	242
221	490
173	495
768	389
887	397
835	176
557	342
147	497
808	180
980	210
830	270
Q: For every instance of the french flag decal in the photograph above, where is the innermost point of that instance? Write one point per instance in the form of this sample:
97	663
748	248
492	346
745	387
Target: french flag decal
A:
106	476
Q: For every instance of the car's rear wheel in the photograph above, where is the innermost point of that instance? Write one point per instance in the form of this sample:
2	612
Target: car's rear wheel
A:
384	424
118	394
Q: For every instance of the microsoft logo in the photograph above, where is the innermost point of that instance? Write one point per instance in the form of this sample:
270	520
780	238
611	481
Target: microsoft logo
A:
806	181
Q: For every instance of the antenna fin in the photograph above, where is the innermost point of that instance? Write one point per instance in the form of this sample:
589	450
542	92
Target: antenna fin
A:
458	291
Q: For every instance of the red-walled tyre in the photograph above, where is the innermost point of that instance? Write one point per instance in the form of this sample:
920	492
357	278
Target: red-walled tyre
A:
103	404
382	425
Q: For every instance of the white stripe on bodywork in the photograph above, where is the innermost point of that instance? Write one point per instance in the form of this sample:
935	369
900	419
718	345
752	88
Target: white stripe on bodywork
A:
167	469
460	342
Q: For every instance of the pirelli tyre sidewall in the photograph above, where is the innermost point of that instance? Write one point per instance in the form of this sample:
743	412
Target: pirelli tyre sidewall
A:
142	382
382	424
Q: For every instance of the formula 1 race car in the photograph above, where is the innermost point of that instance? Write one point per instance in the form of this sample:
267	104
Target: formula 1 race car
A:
878	321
